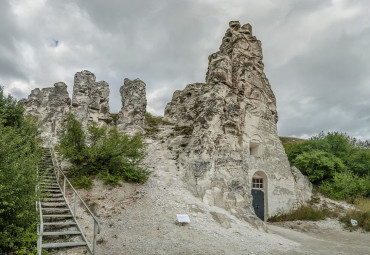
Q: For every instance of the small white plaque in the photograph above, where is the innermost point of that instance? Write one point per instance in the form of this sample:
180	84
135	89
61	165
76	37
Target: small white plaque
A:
183	218
354	222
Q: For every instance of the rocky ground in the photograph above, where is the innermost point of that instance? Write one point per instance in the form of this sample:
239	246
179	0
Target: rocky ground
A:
141	219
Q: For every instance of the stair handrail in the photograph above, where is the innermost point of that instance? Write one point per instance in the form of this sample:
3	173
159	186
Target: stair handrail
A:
59	171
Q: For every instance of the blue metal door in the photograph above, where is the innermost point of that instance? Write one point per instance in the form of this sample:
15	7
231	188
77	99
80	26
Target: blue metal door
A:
259	203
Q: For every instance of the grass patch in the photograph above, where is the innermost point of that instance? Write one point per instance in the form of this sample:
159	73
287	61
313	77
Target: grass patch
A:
362	215
302	213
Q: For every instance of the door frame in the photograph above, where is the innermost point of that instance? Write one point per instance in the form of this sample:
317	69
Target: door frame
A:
263	176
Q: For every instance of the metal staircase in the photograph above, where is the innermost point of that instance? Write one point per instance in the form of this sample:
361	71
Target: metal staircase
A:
58	227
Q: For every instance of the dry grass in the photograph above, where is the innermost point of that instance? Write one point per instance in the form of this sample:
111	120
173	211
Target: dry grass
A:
303	213
362	215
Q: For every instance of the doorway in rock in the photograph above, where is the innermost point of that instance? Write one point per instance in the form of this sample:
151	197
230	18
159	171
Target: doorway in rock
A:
258	194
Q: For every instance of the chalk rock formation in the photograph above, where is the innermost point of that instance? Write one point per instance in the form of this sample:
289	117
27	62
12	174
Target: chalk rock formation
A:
183	110
90	102
50	106
235	142
133	97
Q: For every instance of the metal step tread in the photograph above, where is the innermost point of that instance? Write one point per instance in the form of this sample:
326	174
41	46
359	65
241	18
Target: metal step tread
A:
61	233
60	245
55	209
51	190
51	200
57	215
63	223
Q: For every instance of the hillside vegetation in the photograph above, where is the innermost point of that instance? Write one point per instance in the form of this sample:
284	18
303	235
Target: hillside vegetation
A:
339	166
19	157
335	162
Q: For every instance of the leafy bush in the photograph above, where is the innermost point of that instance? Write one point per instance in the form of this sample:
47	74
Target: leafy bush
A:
302	213
19	156
336	162
318	165
344	186
82	182
109	154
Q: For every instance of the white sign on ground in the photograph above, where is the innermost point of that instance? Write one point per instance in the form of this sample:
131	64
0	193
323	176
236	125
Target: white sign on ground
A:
183	218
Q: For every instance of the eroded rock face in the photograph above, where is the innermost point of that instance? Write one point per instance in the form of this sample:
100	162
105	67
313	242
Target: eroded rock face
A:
133	97
90	99
183	110
50	106
235	135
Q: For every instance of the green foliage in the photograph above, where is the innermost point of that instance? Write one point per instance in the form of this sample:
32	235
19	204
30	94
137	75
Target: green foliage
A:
318	165
302	213
336	162
11	112
82	182
359	162
109	154
19	157
345	185
72	142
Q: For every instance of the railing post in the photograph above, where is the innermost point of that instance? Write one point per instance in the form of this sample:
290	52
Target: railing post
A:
74	205
95	231
64	186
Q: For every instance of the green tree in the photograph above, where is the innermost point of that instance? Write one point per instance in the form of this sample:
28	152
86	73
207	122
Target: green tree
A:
106	153
318	165
19	157
344	186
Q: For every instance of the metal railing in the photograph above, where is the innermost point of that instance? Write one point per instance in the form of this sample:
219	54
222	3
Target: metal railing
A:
61	178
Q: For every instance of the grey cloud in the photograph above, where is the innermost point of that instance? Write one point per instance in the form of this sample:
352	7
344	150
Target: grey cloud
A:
317	65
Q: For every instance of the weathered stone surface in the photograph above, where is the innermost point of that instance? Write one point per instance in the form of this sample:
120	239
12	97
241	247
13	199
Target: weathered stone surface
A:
133	96
50	106
303	186
235	136
182	110
90	99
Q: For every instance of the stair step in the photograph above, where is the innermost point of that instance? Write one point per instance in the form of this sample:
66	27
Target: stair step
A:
55	209
49	186
53	200
51	204
60	223
62	233
57	216
61	245
55	195
53	190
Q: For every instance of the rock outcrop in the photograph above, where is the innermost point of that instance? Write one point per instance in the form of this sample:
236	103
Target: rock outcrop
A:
133	97
235	142
90	102
50	106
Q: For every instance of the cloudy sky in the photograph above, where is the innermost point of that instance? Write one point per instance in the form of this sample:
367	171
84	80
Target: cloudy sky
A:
316	52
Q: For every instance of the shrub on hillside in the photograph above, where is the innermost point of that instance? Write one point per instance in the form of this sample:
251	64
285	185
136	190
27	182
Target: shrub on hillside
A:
336	162
344	186
318	165
109	154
